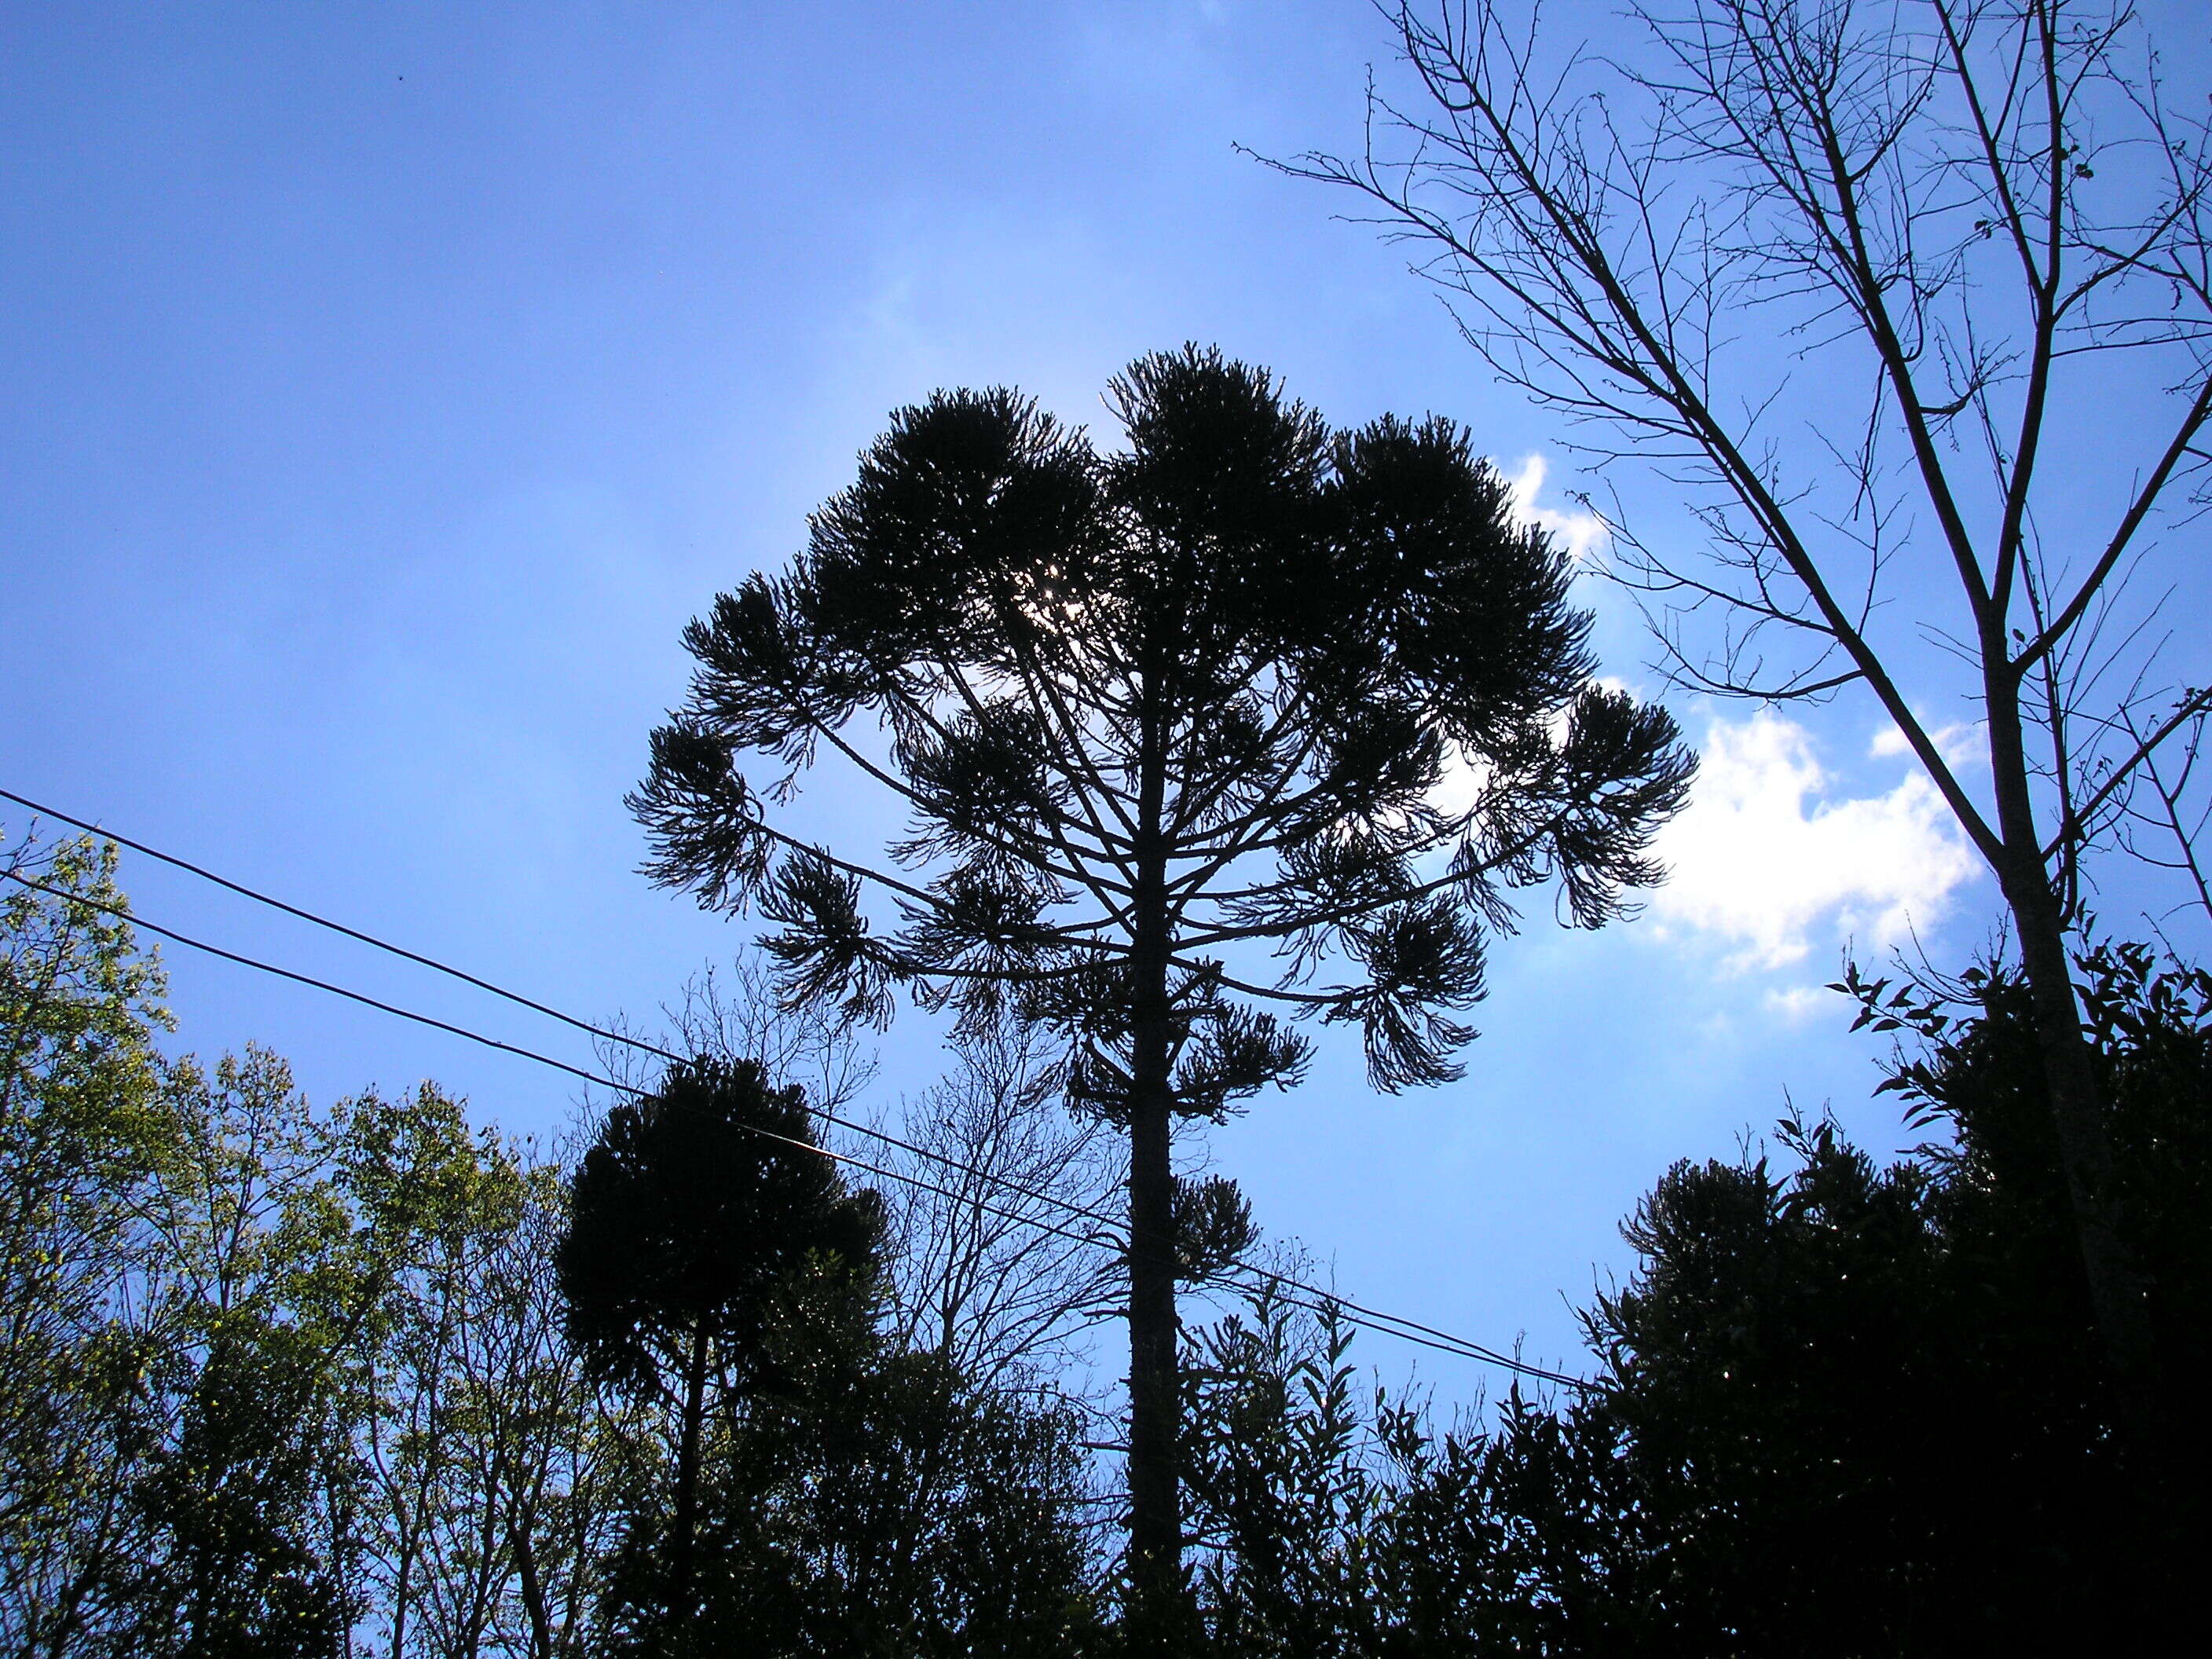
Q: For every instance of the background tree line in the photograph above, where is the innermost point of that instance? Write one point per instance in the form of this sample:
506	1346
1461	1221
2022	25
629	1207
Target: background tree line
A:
283	1381
1836	1408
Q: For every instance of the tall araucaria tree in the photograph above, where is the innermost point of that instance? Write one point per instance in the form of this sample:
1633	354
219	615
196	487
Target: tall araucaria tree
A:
1245	689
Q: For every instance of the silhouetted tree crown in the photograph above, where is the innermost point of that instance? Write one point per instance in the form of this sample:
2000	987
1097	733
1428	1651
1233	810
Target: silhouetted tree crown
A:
699	1208
686	1219
1219	680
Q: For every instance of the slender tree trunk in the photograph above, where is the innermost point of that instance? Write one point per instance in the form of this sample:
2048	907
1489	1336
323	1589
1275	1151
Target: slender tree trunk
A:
687	1476
2076	1101
2115	1282
2085	1148
1155	1504
1155	1403
401	1599
533	1591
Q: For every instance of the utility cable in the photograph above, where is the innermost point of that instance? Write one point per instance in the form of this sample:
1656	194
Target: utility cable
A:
600	1032
629	1089
258	897
1370	1319
1362	1318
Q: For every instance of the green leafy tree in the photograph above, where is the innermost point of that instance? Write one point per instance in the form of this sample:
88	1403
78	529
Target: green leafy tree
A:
278	1237
231	1512
488	1456
84	1125
689	1212
1853	1409
1287	1492
1248	685
276	1379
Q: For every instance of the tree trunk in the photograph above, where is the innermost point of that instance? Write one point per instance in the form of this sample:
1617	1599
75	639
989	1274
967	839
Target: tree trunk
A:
2143	1437
2076	1103
687	1476
533	1590
1155	1403
2085	1148
1155	1504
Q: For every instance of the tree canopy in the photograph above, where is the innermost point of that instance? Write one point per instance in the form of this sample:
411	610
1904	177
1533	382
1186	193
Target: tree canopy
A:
690	1208
1265	667
690	1214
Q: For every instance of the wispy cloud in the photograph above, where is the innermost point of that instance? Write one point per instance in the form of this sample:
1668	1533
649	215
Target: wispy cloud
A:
1960	743
1795	1004
1581	532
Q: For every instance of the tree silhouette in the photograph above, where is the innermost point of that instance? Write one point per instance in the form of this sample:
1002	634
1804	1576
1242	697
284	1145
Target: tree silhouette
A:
1247	685
1841	1409
1854	1410
868	1498
693	1205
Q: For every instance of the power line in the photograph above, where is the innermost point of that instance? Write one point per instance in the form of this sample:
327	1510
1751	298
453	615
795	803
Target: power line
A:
515	997
400	950
1367	1318
630	1089
1382	1323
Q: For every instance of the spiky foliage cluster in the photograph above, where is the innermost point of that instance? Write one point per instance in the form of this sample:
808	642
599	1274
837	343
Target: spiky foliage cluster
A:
1247	685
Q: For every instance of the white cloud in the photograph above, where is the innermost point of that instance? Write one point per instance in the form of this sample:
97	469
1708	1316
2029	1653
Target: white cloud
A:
1762	857
1795	1004
1582	532
1958	743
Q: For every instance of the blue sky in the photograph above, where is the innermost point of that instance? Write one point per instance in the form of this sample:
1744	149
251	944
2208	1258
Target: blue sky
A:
382	388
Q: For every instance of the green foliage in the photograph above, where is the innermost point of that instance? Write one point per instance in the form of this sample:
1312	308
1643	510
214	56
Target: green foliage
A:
2150	1023
280	1240
264	1364
818	1487
228	1512
493	1472
689	1210
1285	1496
287	1384
83	1128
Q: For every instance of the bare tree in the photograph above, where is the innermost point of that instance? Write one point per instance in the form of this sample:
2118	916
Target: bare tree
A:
975	1276
1861	283
734	1013
2164	824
